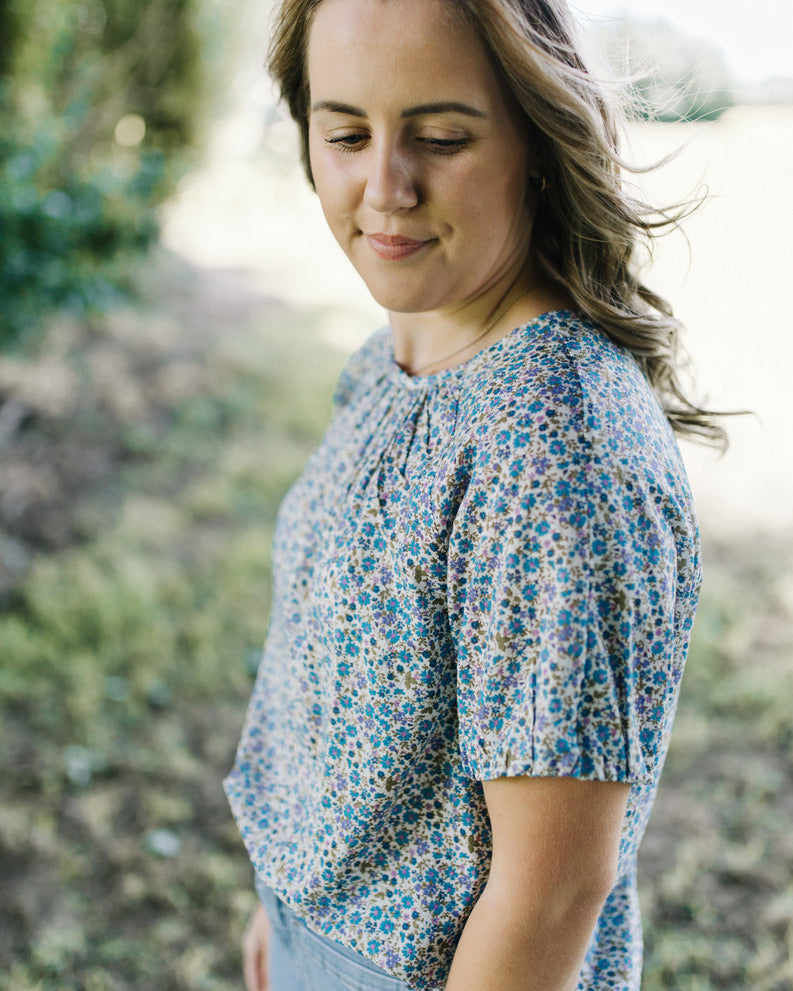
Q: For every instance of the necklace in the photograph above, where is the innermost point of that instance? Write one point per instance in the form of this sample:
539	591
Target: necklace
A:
508	301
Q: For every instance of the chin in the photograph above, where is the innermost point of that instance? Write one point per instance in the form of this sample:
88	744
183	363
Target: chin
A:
397	303
399	298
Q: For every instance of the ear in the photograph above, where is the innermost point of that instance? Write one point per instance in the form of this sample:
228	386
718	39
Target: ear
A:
537	155
537	168
539	183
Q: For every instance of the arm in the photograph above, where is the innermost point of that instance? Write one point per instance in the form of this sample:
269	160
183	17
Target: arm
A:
255	945
555	850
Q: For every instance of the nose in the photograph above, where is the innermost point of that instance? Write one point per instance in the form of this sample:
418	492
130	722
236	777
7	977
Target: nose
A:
391	180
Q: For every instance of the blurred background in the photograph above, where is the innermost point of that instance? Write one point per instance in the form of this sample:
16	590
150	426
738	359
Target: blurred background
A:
172	318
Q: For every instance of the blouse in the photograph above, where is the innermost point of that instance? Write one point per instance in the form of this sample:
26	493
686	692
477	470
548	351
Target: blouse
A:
490	571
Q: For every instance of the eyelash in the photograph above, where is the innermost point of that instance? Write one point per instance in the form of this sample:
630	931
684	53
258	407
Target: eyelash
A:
349	143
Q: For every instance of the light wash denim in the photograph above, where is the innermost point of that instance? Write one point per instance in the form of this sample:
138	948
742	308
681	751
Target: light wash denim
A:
300	960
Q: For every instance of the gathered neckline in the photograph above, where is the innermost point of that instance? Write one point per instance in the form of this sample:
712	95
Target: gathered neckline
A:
447	375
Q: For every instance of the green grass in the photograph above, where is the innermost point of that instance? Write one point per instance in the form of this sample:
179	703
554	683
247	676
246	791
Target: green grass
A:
128	659
717	864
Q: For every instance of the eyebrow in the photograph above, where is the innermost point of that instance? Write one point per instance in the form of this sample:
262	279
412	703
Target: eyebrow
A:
447	107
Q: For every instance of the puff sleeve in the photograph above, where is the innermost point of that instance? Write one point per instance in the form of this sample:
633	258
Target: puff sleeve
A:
562	577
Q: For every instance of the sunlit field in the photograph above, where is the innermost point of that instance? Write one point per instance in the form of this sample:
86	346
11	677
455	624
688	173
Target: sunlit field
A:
157	442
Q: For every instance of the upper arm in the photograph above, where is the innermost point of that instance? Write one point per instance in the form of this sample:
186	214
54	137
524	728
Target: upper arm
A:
549	577
557	835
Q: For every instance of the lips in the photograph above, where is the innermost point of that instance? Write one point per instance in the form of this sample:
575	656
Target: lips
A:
394	247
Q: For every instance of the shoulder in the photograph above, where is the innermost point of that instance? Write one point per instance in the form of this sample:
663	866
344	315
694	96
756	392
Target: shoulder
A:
366	366
559	386
559	358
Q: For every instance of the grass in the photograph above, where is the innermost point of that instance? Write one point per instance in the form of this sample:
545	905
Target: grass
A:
717	881
128	654
130	633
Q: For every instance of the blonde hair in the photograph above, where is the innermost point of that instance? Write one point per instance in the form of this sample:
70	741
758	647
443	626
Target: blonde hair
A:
588	230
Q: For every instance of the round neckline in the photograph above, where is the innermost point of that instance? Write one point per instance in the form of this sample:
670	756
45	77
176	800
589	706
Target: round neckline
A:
416	382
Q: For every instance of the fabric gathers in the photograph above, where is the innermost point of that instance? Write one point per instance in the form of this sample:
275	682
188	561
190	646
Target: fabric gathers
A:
487	572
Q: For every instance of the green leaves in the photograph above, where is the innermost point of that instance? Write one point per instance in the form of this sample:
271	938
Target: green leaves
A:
99	103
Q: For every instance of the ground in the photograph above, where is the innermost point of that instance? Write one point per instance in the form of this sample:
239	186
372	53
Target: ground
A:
144	453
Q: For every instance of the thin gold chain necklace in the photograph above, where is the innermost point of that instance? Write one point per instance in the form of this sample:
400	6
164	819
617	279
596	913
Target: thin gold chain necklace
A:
501	311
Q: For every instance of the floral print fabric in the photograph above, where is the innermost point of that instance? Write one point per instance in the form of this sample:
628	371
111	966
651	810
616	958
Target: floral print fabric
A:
487	572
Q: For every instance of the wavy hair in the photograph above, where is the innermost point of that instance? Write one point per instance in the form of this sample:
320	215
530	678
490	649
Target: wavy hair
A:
589	231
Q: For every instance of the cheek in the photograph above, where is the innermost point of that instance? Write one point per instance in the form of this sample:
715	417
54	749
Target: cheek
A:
506	193
332	180
492	196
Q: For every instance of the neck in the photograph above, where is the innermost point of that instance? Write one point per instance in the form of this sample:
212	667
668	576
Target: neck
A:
425	343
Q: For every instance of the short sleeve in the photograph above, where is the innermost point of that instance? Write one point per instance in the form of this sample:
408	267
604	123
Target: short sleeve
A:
561	588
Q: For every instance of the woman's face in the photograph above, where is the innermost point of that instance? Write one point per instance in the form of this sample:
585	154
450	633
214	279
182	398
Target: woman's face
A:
418	153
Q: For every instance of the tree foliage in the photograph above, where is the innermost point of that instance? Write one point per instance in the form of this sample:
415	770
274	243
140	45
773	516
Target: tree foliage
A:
99	102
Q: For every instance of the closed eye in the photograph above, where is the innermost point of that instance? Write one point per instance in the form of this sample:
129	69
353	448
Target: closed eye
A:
438	146
445	146
347	142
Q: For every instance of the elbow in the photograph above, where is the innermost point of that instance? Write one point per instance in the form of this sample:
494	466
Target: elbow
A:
597	890
598	883
557	901
581	899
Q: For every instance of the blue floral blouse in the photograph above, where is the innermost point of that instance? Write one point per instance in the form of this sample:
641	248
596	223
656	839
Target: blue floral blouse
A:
490	571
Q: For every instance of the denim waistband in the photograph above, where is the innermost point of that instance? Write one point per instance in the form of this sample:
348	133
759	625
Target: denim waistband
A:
315	962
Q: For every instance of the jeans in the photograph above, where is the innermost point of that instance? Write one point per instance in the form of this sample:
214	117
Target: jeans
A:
300	960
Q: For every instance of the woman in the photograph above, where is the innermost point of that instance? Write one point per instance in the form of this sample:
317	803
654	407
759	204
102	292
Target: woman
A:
486	577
